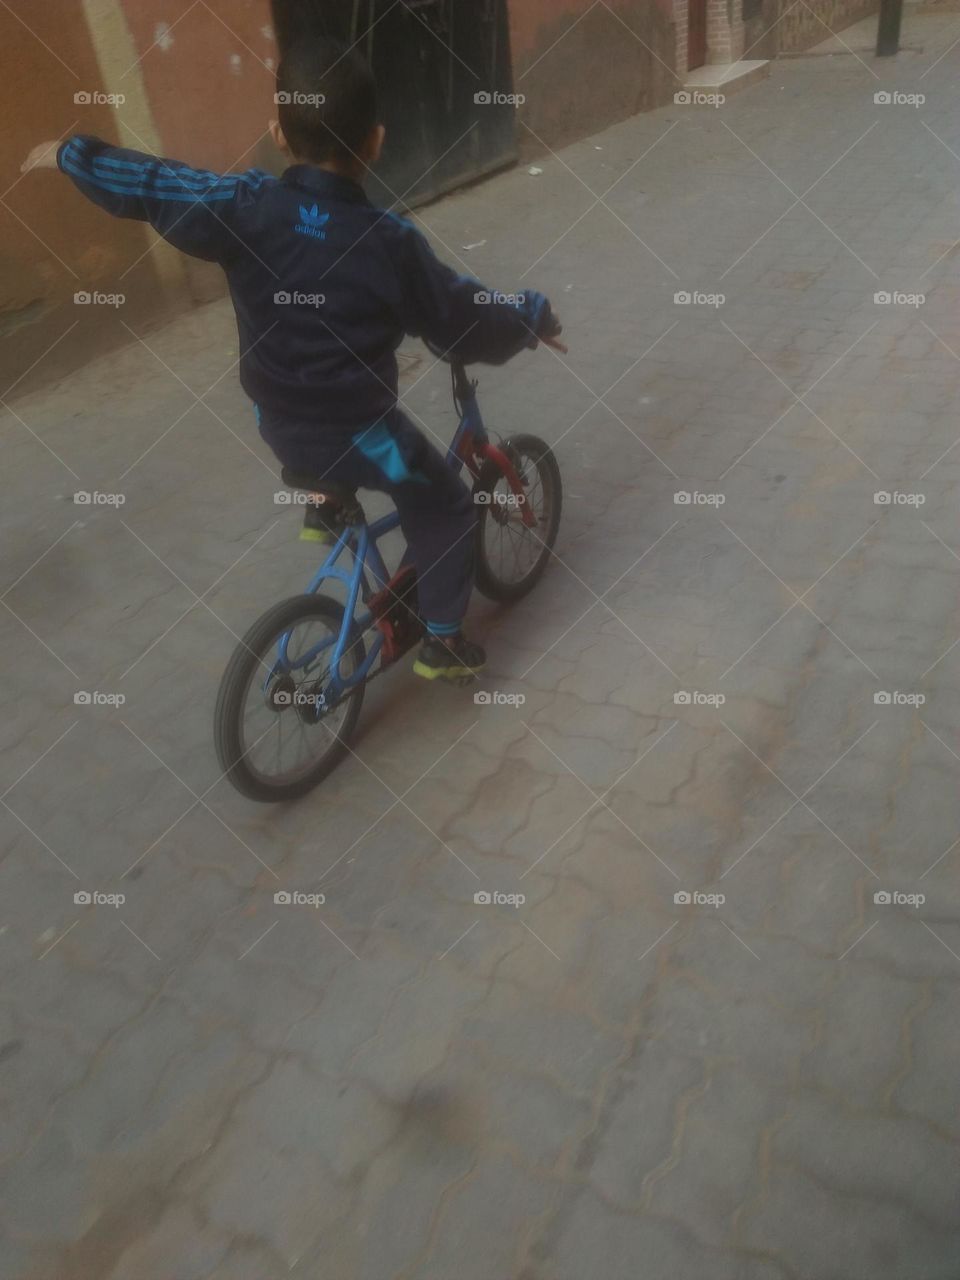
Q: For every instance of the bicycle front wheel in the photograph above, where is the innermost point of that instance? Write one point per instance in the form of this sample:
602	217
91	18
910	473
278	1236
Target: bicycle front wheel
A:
276	736
511	553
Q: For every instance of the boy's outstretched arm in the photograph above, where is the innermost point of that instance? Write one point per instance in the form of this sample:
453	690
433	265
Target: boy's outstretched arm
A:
462	316
189	207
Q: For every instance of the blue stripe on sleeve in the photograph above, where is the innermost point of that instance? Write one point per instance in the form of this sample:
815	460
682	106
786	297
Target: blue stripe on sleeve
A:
184	174
180	196
157	177
175	183
147	184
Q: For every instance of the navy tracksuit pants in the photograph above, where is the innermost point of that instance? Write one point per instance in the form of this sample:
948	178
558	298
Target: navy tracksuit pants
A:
436	509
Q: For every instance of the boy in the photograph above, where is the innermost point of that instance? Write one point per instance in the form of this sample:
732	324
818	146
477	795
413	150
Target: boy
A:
323	374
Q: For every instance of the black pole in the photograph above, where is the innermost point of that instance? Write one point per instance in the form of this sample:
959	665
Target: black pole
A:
888	28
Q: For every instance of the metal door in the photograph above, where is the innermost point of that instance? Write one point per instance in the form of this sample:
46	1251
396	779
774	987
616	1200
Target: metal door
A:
443	67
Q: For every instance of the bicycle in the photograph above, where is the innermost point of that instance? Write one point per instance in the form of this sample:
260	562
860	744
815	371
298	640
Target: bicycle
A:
284	679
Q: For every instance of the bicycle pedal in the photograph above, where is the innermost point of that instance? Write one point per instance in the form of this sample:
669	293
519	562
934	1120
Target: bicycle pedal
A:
317	536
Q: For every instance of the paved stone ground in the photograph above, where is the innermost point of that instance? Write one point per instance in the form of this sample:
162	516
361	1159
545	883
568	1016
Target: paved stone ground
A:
604	1081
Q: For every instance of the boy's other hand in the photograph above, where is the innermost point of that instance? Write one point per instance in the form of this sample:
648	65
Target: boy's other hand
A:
550	332
43	156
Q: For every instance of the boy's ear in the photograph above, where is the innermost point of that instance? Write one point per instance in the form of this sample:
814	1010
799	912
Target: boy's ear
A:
279	140
375	149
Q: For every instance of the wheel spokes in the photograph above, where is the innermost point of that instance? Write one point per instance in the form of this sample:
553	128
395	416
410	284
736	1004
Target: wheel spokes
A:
284	753
514	549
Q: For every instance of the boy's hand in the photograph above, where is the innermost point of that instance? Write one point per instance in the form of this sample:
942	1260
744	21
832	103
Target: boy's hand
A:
550	331
43	156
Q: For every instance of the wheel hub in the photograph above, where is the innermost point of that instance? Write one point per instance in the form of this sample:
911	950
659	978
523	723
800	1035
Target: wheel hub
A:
308	701
280	694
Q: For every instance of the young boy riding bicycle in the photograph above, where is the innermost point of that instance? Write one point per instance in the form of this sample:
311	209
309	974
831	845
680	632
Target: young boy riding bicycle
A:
324	377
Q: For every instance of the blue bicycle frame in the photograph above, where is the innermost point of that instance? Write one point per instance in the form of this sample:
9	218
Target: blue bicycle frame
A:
469	446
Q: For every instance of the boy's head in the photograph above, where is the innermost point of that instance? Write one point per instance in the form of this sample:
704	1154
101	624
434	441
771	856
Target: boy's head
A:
327	100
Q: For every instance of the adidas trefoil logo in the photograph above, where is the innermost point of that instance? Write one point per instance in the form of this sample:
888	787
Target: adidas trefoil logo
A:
313	222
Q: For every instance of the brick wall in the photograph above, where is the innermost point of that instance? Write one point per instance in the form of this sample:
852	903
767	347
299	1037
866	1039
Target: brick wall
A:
680	35
729	37
725	40
811	22
761	33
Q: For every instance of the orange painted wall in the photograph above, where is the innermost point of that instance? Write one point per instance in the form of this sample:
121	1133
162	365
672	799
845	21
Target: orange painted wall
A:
52	242
581	69
210	73
206	75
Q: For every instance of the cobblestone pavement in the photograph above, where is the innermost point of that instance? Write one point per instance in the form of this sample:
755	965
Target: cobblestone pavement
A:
752	703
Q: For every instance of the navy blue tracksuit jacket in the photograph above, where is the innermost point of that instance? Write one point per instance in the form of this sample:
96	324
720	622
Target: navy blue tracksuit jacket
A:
325	286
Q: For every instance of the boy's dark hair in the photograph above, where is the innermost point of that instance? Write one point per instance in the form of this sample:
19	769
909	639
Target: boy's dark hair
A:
327	99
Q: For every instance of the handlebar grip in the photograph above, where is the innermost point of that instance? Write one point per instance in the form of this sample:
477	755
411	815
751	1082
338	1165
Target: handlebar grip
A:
552	328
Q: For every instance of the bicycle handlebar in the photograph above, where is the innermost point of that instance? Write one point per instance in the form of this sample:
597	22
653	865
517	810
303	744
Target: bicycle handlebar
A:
548	339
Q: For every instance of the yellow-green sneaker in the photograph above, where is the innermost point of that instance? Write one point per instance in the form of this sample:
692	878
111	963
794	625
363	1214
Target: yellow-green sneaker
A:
452	658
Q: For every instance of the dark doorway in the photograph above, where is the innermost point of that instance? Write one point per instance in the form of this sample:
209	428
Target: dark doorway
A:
696	34
445	79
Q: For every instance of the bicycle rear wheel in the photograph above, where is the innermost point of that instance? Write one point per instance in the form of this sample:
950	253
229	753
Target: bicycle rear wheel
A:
511	554
275	736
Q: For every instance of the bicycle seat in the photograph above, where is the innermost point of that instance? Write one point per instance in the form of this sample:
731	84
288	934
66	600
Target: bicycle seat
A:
332	495
330	507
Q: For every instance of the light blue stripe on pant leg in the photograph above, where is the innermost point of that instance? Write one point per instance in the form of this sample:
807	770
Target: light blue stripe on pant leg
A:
379	445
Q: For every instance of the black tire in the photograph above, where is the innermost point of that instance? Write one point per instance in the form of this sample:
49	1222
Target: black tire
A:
253	655
530	451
